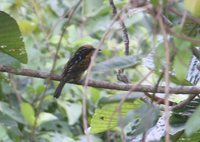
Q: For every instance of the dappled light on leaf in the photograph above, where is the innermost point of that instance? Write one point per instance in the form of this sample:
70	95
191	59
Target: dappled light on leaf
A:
11	40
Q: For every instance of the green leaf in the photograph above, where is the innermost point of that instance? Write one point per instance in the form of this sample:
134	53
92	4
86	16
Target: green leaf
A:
95	95
158	57
11	41
178	119
6	110
107	118
45	117
28	113
155	2
193	124
116	63
7	60
182	59
26	26
72	31
85	40
180	62
191	28
93	138
193	138
142	119
72	110
116	98
6	120
181	115
145	118
193	7
52	136
91	6
3	134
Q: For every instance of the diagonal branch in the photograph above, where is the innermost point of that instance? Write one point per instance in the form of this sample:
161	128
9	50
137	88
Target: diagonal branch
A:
104	84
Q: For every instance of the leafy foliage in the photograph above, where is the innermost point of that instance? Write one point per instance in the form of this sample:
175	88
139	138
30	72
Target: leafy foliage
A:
109	116
11	39
28	112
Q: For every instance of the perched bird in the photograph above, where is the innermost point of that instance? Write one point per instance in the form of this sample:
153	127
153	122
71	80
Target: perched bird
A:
75	67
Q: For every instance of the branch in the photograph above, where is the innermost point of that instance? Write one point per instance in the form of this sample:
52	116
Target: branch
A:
184	103
120	74
182	36
123	26
104	84
193	18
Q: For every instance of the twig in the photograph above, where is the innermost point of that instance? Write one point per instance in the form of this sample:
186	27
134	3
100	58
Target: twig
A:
123	99
123	26
194	19
63	32
14	86
133	88
162	73
103	84
120	74
166	73
184	103
158	100
86	82
182	36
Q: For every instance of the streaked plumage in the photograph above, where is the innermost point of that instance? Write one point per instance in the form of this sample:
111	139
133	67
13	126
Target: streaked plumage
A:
75	67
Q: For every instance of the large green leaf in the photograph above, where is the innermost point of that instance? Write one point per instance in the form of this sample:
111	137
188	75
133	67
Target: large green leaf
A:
117	63
3	134
186	117
193	7
155	2
13	114
45	117
28	113
107	117
91	6
182	59
72	110
181	54
193	138
145	119
190	28
193	124
11	41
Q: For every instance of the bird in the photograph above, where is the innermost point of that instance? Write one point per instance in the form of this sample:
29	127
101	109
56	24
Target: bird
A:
75	67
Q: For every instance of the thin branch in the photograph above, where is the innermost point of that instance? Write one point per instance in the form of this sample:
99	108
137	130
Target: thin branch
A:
158	100
103	84
123	99
123	26
120	74
182	36
194	19
14	87
86	82
63	32
166	72
184	103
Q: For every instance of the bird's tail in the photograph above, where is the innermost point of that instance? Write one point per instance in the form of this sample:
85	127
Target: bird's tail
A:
59	89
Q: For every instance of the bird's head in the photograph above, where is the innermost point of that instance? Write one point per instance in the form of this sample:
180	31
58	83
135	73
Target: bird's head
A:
85	50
